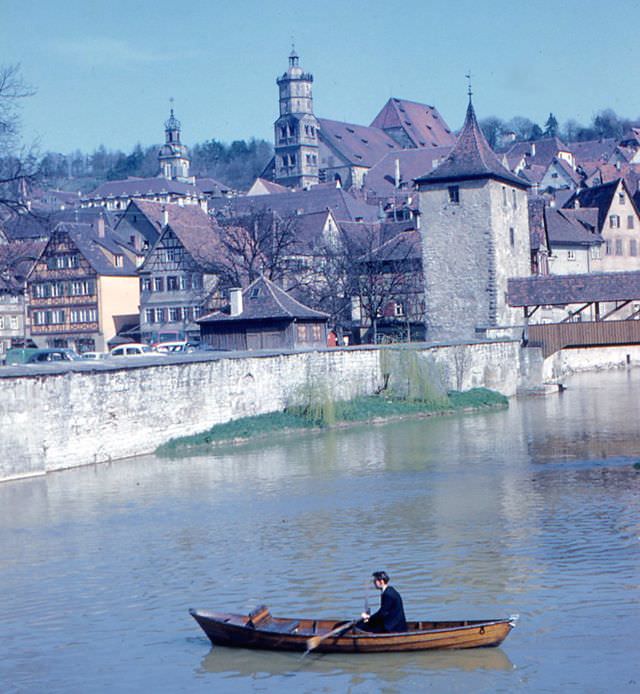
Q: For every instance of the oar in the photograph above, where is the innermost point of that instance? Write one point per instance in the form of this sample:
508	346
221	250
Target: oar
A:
315	641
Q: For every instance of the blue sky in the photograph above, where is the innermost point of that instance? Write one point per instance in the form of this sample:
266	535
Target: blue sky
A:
104	71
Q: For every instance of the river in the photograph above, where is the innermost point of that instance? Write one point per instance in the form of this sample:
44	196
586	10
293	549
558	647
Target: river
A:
533	510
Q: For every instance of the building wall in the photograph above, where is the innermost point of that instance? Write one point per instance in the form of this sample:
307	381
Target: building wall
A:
570	260
96	413
623	239
116	296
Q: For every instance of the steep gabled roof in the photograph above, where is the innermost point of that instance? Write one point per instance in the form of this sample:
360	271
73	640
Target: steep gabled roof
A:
422	124
600	197
357	144
540	152
591	151
154	212
471	158
97	250
132	187
263	299
565	229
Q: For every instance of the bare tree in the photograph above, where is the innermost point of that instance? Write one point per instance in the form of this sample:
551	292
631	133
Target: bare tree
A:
18	167
259	243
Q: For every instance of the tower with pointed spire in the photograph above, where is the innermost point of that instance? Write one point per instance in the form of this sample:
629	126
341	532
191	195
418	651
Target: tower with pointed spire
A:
296	129
475	234
173	155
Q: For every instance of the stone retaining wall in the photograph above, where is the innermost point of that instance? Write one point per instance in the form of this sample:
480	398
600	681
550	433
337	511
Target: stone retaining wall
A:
50	420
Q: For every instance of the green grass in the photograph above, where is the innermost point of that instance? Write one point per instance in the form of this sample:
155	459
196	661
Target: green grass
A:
361	409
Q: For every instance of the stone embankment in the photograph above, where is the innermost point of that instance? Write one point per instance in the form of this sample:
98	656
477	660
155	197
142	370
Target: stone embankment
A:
55	418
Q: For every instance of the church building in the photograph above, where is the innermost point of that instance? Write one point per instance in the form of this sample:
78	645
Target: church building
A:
475	234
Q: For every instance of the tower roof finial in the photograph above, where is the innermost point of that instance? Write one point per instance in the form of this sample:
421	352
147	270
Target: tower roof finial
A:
469	92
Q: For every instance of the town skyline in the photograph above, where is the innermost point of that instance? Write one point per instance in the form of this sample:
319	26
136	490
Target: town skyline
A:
106	76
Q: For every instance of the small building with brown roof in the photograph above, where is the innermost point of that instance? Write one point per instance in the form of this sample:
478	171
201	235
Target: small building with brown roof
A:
263	316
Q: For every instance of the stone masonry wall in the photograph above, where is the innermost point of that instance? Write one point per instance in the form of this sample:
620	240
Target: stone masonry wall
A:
56	420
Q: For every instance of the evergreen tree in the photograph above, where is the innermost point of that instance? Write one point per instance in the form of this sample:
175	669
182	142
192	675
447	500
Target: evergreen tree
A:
551	126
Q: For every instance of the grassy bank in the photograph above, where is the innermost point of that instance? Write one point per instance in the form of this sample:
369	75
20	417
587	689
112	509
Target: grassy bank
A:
327	414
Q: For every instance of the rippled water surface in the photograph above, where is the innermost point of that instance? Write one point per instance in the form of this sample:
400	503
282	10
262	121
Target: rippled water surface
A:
534	510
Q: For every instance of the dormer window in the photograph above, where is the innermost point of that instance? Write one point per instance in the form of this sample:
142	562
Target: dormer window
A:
255	293
454	194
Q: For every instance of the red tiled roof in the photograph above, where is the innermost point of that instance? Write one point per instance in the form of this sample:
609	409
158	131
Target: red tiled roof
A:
422	124
358	144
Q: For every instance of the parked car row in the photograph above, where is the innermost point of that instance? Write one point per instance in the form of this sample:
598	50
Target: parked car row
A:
34	355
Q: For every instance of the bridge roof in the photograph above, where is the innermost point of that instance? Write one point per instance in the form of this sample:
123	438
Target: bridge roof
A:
558	290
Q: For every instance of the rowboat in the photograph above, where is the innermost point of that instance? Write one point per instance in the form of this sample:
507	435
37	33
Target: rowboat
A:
260	630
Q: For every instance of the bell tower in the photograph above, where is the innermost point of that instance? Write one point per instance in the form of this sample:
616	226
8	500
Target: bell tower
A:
173	155
296	129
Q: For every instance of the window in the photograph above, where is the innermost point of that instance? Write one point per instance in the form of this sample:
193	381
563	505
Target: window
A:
1	322
504	196
607	248
512	236
515	198
398	308
172	283
149	315
145	284
14	322
302	333
454	194
175	314
118	261
633	247
595	252
317	332
630	222
158	284
571	255
619	250
160	315
621	198
614	221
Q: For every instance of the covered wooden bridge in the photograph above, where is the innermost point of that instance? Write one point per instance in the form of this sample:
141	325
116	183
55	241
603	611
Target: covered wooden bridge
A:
603	309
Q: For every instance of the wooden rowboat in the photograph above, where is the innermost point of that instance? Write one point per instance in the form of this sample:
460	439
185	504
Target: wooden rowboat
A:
260	630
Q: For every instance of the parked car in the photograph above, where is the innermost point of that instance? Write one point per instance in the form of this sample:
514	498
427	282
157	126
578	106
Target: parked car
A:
39	356
173	346
94	355
134	349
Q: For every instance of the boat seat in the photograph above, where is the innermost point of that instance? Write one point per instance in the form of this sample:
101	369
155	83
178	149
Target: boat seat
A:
282	627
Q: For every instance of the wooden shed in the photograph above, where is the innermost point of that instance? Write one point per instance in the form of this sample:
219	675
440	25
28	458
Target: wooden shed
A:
264	316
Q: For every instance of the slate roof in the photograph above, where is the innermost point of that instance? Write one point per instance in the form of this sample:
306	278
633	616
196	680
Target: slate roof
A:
92	247
154	212
591	151
16	260
404	246
211	186
559	290
422	124
599	197
413	163
40	224
471	158
263	300
360	145
546	150
564	228
268	186
132	187
345	207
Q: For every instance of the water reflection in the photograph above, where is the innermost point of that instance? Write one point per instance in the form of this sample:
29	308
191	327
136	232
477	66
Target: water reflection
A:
238	662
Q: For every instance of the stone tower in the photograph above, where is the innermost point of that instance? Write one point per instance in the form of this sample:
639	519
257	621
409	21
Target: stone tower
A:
173	155
296	130
475	235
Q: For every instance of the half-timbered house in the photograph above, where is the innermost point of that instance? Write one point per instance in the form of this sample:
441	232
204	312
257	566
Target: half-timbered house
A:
82	282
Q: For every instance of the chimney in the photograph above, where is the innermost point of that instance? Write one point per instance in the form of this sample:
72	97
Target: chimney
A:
100	227
397	175
533	149
165	216
235	299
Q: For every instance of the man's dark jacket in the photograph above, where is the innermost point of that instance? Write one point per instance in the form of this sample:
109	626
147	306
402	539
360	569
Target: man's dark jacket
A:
390	616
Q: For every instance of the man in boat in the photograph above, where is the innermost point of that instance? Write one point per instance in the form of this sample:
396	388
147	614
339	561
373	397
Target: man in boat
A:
390	617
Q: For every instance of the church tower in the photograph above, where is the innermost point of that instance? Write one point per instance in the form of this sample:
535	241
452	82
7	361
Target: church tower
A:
173	155
296	130
475	235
